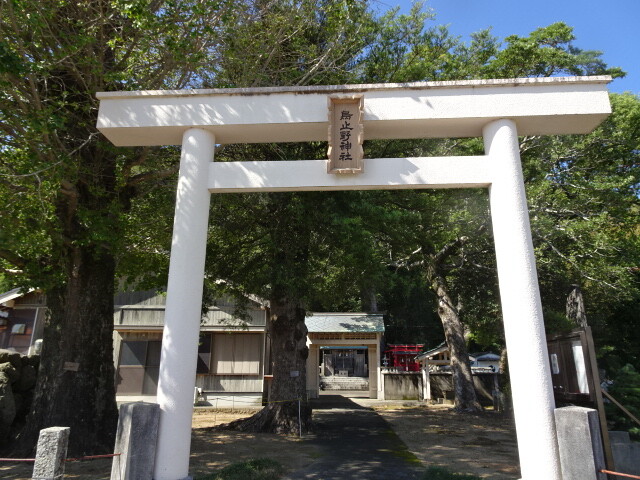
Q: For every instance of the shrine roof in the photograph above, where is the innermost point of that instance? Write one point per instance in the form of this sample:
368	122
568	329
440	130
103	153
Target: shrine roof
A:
344	322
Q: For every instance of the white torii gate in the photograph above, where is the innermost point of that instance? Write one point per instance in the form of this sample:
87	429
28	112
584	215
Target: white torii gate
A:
497	110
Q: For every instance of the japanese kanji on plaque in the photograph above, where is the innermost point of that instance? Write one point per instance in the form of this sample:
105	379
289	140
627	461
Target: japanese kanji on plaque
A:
346	134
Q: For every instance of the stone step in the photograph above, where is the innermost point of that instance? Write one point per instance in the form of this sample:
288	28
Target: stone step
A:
344	383
336	379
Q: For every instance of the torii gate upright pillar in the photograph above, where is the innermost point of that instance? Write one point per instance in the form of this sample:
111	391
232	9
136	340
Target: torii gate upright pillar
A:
183	310
521	307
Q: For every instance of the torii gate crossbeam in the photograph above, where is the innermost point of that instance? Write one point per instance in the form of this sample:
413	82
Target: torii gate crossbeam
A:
497	110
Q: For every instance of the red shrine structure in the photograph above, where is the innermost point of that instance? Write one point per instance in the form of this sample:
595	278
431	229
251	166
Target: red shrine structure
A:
402	357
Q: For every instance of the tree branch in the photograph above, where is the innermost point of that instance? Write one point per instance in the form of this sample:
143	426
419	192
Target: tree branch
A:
449	249
13	258
153	175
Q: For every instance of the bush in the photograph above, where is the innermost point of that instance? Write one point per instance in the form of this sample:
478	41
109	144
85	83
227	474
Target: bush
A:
254	469
439	473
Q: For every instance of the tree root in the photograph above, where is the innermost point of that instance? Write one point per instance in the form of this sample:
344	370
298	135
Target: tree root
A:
281	418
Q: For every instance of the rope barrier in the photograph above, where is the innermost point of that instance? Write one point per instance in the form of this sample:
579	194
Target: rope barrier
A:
285	401
79	459
94	457
620	474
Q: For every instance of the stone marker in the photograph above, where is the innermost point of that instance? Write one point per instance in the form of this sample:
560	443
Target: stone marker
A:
136	441
580	443
51	453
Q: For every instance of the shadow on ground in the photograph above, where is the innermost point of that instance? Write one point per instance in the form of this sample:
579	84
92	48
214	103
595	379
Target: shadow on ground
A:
479	444
355	442
354	438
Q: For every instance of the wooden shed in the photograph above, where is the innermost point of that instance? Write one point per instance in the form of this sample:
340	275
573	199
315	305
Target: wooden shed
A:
231	351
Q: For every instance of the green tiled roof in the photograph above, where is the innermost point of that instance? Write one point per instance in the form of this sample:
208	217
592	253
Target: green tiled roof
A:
344	322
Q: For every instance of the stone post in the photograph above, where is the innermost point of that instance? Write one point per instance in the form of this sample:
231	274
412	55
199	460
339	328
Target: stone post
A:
531	386
183	310
136	441
383	381
580	443
313	375
51	453
426	383
374	372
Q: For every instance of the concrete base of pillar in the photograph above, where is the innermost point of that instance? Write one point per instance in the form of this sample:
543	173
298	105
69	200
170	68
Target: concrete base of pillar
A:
580	443
136	441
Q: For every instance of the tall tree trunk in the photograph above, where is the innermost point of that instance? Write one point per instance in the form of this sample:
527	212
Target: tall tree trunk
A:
76	379
465	393
288	410
369	299
575	307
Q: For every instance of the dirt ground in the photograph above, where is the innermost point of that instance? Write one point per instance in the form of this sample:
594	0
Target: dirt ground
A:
483	445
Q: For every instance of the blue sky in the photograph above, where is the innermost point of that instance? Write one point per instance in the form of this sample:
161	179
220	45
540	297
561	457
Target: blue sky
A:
610	26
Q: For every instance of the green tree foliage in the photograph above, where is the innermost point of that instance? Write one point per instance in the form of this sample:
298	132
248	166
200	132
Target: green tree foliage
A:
583	197
585	210
609	193
625	388
66	191
77	210
274	239
297	42
405	48
355	244
547	52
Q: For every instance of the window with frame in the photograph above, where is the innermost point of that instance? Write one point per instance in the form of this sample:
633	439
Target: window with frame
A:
204	354
19	329
139	367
